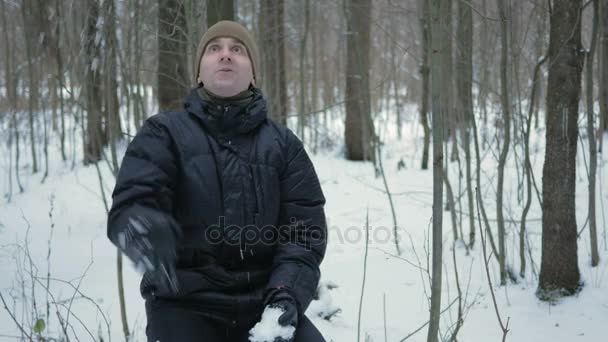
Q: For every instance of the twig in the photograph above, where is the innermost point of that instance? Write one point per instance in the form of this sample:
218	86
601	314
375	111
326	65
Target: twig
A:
460	320
504	328
13	317
427	322
390	199
384	314
364	273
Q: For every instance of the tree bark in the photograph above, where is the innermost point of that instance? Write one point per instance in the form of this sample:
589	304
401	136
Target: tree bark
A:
33	95
559	274
93	90
219	10
506	113
302	121
424	15
274	82
595	256
528	167
358	129
437	43
113	129
59	81
451	123
173	77
603	95
464	88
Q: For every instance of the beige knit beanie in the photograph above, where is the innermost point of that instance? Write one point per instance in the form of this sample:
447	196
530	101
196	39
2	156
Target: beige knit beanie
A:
227	28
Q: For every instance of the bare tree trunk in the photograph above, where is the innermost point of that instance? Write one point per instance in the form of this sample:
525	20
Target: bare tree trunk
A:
139	110
451	203
603	93
10	93
447	86
314	84
528	167
45	142
464	88
595	256
484	78
220	10
33	95
559	273
438	48
173	77
302	122
540	44
113	129
506	113
274	68
281	58
59	81
424	15
358	129
94	135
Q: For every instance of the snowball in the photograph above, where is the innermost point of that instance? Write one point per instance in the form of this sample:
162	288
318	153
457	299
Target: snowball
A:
269	328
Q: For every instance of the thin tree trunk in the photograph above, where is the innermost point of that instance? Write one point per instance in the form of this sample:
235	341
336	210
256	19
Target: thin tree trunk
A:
281	58
447	86
595	256
603	62
17	151
437	43
528	168
464	74
314	84
173	78
113	129
26	6
484	77
139	110
506	113
94	135
274	81
559	273
45	142
59	81
540	44
451	204
302	112
358	129
424	15
11	96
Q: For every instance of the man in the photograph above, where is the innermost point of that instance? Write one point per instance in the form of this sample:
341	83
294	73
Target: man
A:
221	207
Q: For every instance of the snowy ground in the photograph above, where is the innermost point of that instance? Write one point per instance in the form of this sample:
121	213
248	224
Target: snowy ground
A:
67	213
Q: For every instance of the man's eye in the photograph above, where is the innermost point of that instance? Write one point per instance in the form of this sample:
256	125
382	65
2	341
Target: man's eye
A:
236	49
213	48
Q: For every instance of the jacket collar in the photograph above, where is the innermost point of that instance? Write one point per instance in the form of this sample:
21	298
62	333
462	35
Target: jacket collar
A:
227	119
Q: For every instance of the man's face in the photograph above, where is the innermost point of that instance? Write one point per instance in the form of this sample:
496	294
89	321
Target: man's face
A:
225	67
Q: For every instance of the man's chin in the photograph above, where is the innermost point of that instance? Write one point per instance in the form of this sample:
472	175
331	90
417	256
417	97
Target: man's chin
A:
224	91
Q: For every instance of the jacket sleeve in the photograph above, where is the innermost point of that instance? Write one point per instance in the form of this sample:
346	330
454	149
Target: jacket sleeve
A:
145	182
302	237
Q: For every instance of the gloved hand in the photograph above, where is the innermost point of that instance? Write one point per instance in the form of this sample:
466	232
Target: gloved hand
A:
149	241
282	299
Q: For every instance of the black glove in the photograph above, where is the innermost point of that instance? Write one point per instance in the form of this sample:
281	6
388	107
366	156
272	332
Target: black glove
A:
149	241
282	299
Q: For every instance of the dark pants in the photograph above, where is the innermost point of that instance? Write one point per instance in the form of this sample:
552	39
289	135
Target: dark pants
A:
168	322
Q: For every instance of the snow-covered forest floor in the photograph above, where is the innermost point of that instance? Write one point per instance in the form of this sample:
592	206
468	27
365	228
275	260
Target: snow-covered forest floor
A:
54	236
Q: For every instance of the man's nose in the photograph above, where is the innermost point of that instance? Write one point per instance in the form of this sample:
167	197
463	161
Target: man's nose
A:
225	55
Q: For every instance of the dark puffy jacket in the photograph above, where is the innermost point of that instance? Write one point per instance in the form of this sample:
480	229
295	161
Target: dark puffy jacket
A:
244	193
